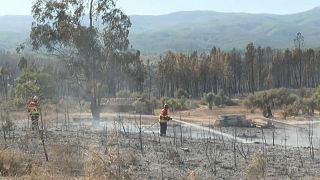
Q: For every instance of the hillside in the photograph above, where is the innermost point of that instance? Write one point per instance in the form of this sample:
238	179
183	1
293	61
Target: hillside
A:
197	30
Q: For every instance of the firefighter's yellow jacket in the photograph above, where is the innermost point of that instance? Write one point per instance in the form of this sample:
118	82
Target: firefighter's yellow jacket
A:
33	108
163	117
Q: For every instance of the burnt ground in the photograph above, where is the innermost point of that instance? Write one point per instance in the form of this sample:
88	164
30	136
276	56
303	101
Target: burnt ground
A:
113	150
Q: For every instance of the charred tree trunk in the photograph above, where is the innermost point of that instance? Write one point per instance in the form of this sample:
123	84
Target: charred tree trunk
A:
95	108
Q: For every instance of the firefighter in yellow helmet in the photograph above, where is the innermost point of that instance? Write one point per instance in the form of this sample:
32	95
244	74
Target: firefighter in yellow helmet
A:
163	120
34	112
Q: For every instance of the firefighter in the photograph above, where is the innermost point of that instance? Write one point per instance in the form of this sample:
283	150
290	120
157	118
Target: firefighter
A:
163	120
34	112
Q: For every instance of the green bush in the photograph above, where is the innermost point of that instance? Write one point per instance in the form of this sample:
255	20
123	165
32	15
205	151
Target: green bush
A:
181	103
210	98
231	102
289	110
164	100
123	94
138	95
172	104
181	92
278	98
218	101
249	102
220	98
175	104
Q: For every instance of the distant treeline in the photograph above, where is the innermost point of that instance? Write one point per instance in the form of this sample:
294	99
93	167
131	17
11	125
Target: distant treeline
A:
236	72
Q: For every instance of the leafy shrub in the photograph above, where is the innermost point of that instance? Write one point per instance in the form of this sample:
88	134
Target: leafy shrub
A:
308	105
164	100
273	98
218	101
220	98
181	103
231	102
138	95
172	102
175	104
210	97
181	93
123	94
289	110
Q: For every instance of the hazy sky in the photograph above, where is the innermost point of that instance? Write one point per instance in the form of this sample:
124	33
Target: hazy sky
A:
155	7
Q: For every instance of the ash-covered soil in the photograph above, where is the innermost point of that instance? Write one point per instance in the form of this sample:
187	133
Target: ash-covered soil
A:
83	151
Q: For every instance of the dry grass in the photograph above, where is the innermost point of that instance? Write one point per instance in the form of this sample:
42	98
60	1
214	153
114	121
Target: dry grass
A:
96	165
67	159
191	176
12	163
108	166
173	156
256	167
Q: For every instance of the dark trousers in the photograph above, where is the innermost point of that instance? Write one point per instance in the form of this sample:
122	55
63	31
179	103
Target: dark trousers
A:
34	121
163	128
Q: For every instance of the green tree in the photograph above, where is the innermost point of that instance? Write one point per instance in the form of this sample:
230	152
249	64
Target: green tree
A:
89	50
31	84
